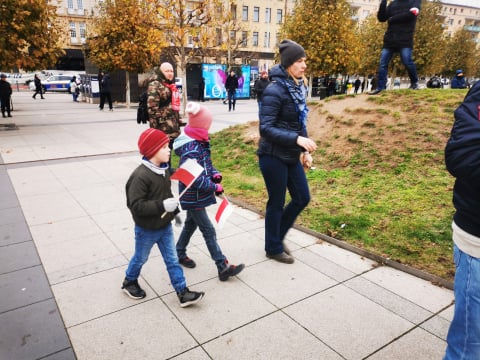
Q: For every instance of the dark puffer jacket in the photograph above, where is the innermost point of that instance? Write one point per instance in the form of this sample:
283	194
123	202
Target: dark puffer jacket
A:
462	157
401	22
279	121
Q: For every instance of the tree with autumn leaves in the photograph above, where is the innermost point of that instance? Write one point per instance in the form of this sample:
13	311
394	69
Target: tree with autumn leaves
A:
30	35
328	34
132	35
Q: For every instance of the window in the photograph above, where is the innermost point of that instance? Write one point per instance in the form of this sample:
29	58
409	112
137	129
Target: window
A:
268	15
219	36
279	16
233	36
73	30
70	9
245	13
83	32
256	14
233	11
255	38
244	38
266	40
80	4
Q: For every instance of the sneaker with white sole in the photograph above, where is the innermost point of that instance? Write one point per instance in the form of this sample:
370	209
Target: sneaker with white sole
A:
188	297
132	289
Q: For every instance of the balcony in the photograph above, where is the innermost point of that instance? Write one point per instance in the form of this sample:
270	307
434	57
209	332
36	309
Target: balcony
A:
76	12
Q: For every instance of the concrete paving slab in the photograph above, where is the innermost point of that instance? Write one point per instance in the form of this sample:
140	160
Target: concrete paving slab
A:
419	291
284	285
94	296
345	258
23	287
227	306
418	344
272	337
349	323
32	332
39	209
14	233
325	266
18	256
146	330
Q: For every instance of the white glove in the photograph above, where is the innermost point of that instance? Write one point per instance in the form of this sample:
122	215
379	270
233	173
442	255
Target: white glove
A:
170	204
179	219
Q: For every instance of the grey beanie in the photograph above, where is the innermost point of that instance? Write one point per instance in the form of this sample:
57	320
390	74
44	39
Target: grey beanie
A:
290	52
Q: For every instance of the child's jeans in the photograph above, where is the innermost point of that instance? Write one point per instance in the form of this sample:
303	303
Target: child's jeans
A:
144	241
199	218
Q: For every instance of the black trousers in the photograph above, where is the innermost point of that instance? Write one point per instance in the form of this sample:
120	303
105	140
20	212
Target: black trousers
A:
108	96
5	104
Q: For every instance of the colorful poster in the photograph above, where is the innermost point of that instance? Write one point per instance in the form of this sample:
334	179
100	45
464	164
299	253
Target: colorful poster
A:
215	77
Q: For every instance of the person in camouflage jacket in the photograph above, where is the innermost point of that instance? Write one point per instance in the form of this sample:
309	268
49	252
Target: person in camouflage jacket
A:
164	103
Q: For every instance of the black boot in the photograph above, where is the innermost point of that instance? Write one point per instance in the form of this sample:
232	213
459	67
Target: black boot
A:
9	115
3	114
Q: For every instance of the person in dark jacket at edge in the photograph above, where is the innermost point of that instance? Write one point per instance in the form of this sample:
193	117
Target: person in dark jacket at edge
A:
260	85
462	158
402	18
284	148
458	81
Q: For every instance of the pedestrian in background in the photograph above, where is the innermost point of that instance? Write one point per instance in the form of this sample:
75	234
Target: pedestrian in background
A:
74	90
194	144
260	85
458	81
163	104
5	95
401	16
38	87
462	158
231	85
357	85
105	91
153	207
284	147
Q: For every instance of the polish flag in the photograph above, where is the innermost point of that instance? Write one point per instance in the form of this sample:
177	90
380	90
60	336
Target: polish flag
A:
223	212
188	172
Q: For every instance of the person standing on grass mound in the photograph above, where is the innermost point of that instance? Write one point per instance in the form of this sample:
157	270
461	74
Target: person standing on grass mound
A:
284	147
153	207
462	158
401	16
194	144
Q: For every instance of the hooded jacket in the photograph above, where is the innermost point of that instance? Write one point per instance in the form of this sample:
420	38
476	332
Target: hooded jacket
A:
462	157
279	124
401	22
202	193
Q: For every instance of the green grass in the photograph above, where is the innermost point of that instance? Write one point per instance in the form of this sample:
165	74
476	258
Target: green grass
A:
389	193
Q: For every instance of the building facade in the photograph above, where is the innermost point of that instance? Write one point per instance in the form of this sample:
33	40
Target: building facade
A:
259	26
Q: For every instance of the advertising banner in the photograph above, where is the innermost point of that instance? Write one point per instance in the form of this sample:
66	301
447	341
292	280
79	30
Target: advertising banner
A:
215	76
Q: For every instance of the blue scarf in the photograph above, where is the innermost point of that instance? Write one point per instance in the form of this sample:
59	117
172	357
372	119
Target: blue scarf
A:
299	96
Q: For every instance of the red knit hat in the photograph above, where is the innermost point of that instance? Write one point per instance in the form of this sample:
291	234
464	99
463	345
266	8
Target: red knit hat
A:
150	141
198	116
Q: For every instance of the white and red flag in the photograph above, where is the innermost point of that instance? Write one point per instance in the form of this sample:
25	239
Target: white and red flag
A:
224	210
188	172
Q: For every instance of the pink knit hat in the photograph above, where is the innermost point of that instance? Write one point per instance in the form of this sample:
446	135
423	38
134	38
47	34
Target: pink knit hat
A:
198	116
150	141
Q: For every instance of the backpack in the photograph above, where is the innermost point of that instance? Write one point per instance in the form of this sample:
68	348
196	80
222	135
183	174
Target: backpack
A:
142	111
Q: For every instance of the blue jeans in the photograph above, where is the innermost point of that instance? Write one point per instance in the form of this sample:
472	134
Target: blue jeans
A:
199	218
144	241
463	337
279	218
405	56
232	98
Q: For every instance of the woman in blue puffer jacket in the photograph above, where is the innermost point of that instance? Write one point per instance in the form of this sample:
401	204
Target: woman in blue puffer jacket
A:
284	148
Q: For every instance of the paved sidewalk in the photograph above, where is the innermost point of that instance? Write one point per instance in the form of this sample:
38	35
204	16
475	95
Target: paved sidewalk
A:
66	236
